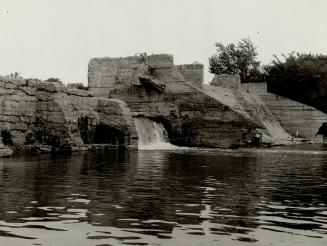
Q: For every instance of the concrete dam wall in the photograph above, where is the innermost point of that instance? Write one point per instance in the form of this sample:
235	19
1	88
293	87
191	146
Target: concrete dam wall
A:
296	118
153	87
223	114
252	107
143	99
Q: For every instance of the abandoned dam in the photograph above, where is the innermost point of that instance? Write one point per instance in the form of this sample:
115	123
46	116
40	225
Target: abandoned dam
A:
149	102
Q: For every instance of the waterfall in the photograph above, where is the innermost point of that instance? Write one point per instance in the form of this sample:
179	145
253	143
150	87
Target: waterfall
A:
152	135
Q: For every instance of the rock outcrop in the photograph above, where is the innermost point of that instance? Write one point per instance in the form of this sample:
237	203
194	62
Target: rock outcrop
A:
191	117
46	116
223	114
5	151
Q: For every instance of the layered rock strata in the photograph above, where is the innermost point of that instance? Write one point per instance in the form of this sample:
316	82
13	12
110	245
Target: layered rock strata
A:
191	117
5	151
224	114
46	116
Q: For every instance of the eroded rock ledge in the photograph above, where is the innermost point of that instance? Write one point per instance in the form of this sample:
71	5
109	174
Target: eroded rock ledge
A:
47	116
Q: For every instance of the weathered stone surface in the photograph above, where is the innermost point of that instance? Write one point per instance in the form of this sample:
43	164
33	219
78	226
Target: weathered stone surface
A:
190	116
296	118
81	93
193	73
227	81
257	88
5	151
152	83
74	118
47	86
252	107
106	74
224	114
49	115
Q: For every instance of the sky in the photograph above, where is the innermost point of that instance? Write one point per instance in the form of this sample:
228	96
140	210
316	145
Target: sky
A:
46	38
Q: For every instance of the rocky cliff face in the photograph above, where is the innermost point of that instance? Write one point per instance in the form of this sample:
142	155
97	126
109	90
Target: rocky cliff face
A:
45	116
5	151
18	103
191	117
223	114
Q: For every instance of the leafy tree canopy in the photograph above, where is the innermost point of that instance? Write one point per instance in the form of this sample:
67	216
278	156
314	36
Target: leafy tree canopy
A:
301	77
240	58
15	75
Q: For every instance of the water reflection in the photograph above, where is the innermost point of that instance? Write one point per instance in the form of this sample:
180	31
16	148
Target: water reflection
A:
165	198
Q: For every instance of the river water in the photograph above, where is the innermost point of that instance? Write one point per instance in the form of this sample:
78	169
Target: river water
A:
276	196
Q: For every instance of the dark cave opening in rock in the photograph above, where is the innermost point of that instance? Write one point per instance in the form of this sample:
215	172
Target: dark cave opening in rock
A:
100	133
6	137
322	130
105	134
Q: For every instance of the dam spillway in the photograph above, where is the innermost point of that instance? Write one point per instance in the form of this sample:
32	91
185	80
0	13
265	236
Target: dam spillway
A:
152	135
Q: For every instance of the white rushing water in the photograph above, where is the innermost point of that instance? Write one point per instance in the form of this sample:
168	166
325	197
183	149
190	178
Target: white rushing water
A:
152	135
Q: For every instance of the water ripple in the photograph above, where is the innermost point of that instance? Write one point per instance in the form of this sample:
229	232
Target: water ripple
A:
198	197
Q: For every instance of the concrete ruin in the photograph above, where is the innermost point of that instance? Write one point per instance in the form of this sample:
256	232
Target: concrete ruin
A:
190	116
225	113
47	116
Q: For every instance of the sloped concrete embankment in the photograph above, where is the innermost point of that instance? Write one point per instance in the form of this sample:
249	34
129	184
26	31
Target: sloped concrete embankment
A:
254	108
297	118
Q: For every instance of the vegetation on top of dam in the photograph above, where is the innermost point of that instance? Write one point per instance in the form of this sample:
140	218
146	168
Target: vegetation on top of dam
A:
299	76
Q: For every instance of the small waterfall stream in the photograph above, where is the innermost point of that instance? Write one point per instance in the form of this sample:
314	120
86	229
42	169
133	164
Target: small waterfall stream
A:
152	135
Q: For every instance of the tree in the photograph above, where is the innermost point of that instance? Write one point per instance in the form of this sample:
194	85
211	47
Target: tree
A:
240	58
15	75
301	77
